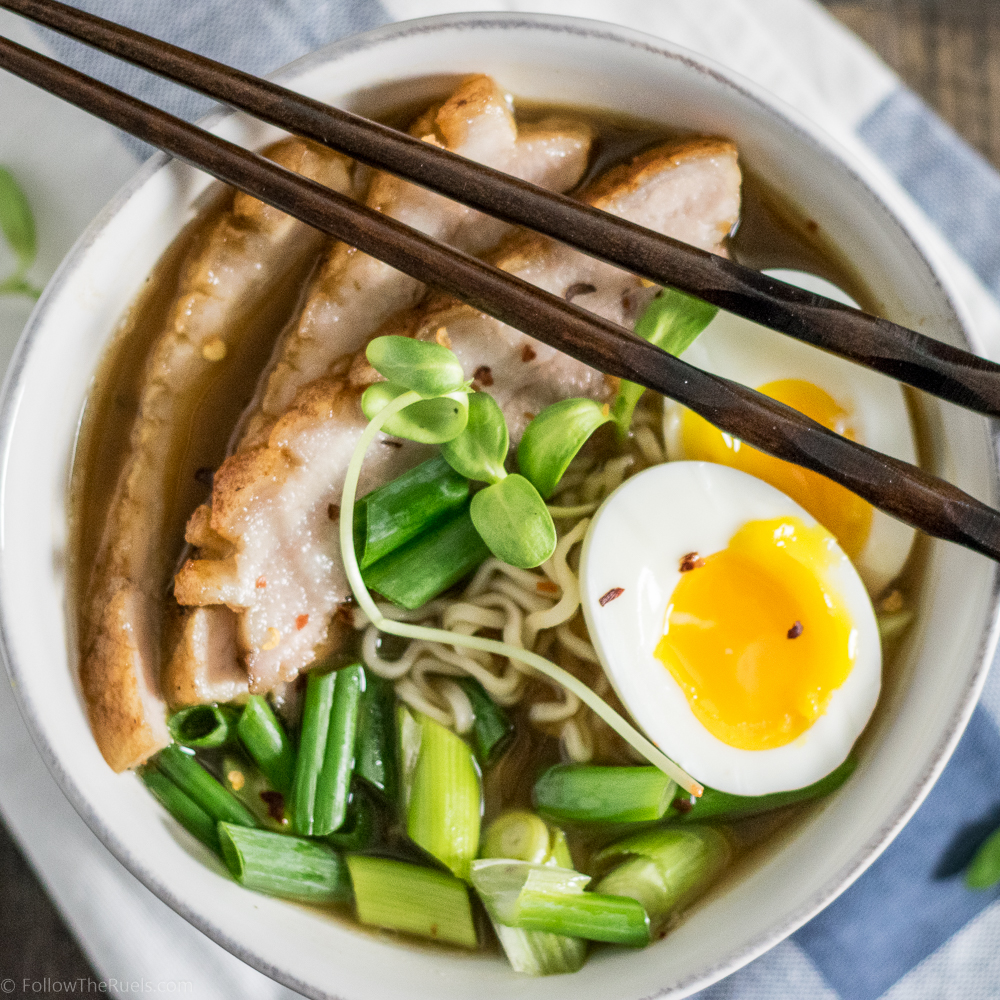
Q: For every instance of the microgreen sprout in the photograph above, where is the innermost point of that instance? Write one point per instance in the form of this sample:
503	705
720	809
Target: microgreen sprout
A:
382	418
551	441
671	321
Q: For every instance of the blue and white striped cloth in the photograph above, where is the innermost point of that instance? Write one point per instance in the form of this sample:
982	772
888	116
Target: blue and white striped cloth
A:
908	928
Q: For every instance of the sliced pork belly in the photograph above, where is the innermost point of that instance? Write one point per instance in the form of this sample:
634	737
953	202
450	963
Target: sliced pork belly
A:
273	503
353	294
251	249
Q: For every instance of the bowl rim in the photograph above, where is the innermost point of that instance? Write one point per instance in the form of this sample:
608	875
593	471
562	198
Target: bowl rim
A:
811	133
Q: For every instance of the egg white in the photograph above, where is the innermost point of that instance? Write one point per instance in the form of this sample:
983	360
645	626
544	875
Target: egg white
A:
751	354
636	541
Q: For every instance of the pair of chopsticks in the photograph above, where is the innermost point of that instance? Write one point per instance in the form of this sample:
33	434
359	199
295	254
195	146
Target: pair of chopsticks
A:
900	489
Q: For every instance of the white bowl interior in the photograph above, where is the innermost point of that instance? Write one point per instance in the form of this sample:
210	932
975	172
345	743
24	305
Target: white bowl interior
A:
929	694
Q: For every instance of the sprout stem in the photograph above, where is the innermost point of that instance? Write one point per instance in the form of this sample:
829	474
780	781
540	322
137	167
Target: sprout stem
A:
406	630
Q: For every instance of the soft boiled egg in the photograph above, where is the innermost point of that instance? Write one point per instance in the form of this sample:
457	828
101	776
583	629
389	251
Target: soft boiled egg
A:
857	402
732	626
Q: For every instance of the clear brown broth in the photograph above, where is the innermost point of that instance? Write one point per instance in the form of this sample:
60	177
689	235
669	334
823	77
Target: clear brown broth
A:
772	233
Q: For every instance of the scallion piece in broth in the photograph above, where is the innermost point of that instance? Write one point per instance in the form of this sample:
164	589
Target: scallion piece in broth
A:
377	750
407	507
492	730
428	565
400	896
523	836
546	898
666	869
717	805
312	749
284	866
180	766
267	743
204	726
446	798
181	806
585	793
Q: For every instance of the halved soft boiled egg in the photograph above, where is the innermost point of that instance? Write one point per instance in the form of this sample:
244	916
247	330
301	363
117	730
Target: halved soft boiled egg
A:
732	626
861	404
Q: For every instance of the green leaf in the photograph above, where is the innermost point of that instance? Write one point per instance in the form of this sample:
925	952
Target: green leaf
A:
671	321
16	285
429	421
551	441
16	222
479	451
420	365
514	522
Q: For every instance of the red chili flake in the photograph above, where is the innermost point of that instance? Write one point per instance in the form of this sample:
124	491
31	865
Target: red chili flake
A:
301	622
528	353
205	476
683	804
333	511
483	376
613	593
547	587
690	562
578	288
795	631
275	803
261	583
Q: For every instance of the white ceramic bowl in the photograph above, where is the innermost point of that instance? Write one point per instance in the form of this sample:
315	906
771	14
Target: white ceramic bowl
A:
928	696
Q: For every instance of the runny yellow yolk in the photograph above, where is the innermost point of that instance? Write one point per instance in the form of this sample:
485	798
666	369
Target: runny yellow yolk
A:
846	515
756	637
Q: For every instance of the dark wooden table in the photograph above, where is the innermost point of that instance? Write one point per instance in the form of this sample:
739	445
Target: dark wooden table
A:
947	50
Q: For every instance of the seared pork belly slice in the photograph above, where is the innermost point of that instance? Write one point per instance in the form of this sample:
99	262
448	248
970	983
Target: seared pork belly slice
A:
353	294
204	666
690	191
251	249
274	503
279	506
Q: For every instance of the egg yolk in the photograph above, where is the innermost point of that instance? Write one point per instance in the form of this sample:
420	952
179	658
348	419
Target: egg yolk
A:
846	515
756	637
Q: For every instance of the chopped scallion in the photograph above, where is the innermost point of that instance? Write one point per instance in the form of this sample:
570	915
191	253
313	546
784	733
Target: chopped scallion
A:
717	805
377	753
584	793
666	869
403	897
284	866
545	898
405	508
427	565
180	766
203	726
181	806
267	743
446	798
492	730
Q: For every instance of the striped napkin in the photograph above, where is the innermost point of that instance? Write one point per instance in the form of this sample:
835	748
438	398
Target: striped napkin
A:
908	928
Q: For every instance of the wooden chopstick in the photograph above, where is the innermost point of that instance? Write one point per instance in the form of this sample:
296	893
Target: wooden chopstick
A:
903	354
900	489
